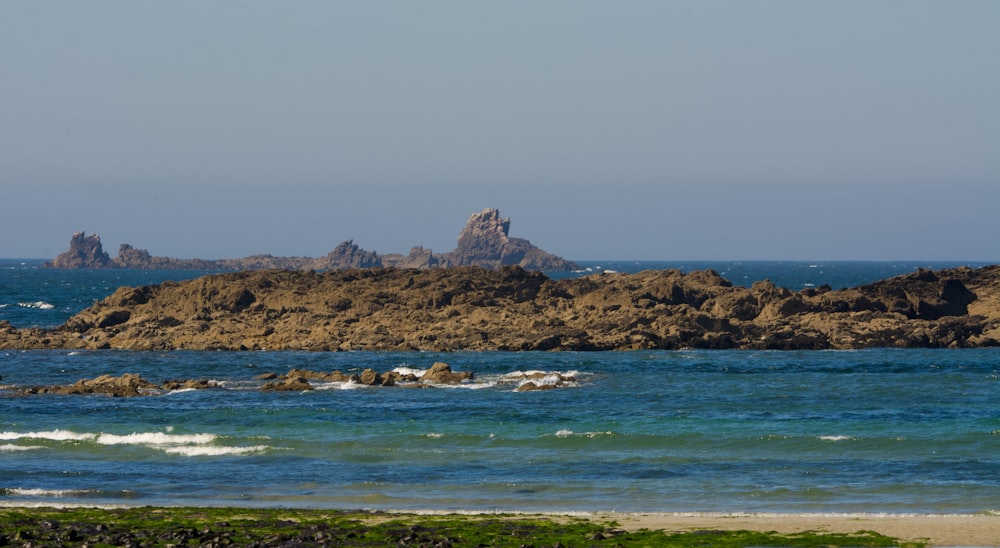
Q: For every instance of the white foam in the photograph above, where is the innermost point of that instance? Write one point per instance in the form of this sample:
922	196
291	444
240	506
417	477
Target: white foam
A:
536	373
567	433
40	305
42	492
463	385
552	380
836	438
338	385
403	370
213	451
53	435
434	435
155	439
11	447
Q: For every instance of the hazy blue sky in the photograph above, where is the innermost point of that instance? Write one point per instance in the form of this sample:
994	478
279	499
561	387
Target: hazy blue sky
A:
605	130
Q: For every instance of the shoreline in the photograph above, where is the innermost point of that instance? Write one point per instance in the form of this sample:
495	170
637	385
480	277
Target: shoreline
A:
980	529
933	529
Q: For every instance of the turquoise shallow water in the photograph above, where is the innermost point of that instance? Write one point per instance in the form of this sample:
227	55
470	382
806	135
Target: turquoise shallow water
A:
880	430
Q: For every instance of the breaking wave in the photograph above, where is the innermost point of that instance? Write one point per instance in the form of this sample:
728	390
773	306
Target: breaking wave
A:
190	445
40	305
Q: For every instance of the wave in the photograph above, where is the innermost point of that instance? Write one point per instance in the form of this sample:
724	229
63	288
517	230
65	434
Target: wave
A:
339	385
11	447
192	445
551	379
564	433
404	370
63	493
51	435
155	438
215	451
463	385
40	305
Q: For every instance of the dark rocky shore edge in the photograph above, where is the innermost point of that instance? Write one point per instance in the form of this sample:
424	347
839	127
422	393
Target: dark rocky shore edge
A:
150	526
511	309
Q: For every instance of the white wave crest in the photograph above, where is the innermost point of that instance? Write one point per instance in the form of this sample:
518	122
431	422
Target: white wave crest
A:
42	492
463	385
339	385
564	433
213	451
836	438
9	447
155	438
52	435
176	444
403	370
40	305
537	374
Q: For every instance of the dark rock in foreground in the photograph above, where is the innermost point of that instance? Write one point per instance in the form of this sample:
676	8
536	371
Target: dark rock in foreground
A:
467	308
484	242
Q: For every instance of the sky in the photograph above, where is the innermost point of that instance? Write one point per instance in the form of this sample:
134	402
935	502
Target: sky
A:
647	130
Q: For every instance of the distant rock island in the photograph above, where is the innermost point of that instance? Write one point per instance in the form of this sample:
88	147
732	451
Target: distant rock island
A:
511	309
484	242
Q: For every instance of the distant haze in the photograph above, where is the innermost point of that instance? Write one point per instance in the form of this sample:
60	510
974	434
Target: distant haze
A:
604	130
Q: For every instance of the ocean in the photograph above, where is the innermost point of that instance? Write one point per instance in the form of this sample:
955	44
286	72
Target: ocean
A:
866	431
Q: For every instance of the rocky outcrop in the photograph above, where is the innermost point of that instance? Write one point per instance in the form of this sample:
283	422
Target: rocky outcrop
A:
484	242
127	385
299	379
84	252
347	255
513	309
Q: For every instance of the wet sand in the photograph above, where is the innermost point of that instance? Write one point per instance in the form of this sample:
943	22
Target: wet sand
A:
936	530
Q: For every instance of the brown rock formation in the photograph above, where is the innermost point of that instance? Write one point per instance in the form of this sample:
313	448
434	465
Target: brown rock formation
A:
483	242
127	385
441	373
512	309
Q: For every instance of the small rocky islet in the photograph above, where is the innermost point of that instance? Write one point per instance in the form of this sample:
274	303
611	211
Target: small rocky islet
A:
490	294
295	380
511	309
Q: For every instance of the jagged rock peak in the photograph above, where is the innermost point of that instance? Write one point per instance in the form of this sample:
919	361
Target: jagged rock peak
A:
348	255
84	252
485	228
483	242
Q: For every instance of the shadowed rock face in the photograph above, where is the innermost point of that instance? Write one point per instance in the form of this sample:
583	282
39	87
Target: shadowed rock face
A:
513	309
483	242
84	252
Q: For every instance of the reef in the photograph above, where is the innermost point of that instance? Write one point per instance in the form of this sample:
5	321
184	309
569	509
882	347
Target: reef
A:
512	309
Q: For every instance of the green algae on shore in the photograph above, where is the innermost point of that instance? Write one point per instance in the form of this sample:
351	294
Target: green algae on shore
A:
157	526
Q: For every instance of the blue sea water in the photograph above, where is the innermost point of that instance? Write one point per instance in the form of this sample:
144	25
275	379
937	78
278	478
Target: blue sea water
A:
875	430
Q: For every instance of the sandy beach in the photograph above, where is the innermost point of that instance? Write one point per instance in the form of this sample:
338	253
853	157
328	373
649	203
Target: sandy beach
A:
936	530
